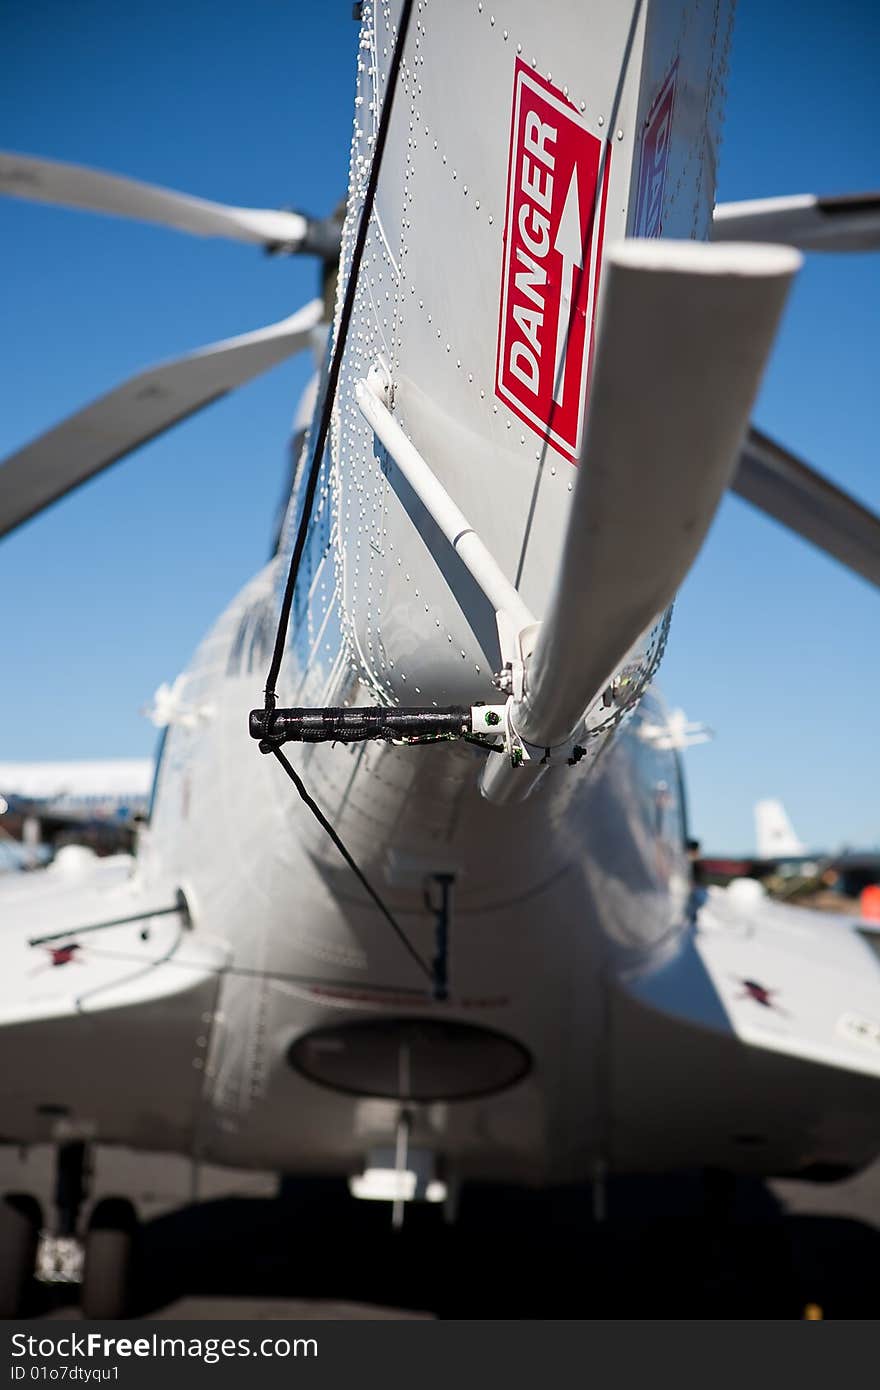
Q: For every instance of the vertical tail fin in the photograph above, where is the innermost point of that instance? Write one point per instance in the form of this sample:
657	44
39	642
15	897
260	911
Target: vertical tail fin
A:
774	833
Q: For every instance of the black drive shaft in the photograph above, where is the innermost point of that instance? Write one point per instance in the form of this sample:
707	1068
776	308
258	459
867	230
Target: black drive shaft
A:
348	725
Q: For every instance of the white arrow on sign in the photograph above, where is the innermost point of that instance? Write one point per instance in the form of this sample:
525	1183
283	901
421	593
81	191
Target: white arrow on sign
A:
568	243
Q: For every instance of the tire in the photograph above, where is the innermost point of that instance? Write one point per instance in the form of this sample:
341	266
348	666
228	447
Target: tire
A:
110	1245
20	1222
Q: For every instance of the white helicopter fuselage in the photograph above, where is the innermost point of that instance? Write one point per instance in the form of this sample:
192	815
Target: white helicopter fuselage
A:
576	902
575	936
543	892
600	1014
384	612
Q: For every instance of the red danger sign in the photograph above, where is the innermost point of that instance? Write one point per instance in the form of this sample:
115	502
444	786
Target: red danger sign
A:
654	160
552	253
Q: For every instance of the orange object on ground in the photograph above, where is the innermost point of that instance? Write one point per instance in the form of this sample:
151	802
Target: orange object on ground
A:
869	902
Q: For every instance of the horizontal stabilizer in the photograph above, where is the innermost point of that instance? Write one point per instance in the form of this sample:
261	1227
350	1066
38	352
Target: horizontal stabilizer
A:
75	186
684	332
102	998
848	223
778	483
139	410
793	981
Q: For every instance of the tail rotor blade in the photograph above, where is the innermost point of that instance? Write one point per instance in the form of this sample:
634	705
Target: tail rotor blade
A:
786	489
849	223
75	186
140	409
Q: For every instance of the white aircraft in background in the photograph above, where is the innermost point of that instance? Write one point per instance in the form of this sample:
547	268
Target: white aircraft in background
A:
70	792
775	836
477	948
41	802
675	731
780	851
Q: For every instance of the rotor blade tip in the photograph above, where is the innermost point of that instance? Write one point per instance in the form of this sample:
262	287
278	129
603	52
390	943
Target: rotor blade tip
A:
753	259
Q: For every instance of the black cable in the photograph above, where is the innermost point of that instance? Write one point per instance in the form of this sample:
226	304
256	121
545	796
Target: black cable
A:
332	382
319	442
318	446
361	877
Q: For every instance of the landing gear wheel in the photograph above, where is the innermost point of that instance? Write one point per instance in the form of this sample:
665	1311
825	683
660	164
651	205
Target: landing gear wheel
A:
20	1222
110	1244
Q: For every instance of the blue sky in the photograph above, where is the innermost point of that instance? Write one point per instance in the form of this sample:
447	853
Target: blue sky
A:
107	594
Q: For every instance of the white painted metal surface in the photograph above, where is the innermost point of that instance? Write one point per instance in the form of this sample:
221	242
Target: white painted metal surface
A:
443	510
708	314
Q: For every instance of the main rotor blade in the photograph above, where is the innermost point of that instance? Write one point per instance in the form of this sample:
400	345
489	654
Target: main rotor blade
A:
781	485
684	332
139	410
75	186
848	223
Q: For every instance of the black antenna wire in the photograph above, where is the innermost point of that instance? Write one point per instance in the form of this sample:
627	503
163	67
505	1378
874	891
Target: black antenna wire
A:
332	382
319	443
358	873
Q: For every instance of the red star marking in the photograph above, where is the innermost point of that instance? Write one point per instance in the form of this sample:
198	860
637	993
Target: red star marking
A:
63	955
760	994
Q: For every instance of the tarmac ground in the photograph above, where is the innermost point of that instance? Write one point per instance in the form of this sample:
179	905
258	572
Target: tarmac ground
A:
684	1245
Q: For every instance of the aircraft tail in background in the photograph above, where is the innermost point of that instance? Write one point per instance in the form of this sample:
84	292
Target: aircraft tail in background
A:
775	837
